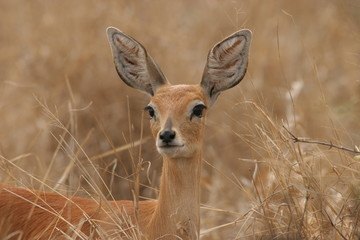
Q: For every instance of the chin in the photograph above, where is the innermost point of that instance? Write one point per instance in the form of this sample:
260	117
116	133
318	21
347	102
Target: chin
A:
175	152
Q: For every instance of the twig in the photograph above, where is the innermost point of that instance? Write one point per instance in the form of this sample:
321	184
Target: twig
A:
329	144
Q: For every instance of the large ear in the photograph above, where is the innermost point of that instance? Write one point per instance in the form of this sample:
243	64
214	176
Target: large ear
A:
134	66
226	64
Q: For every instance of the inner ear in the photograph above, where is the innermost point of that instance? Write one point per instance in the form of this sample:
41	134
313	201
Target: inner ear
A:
226	64
133	64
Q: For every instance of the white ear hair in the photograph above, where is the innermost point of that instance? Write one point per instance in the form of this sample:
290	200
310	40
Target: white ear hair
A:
134	66
226	64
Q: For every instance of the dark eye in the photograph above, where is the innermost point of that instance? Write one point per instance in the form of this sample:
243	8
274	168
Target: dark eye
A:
150	110
198	111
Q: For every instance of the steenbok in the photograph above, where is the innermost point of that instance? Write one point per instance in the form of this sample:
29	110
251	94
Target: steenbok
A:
177	122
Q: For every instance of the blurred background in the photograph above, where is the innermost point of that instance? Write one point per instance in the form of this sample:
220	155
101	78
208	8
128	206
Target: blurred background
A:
65	112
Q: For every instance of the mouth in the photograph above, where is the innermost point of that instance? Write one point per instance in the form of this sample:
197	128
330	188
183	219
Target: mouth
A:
168	146
173	150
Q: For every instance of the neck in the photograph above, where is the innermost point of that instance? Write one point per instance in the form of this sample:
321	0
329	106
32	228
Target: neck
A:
178	209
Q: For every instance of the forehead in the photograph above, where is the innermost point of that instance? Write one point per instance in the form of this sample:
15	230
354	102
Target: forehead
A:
178	95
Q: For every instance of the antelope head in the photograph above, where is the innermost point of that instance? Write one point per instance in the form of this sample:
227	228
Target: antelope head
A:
178	112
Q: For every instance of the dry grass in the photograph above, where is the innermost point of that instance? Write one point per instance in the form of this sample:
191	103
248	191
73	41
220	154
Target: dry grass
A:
60	100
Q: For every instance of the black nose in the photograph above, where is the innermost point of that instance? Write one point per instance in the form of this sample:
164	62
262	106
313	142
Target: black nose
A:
167	136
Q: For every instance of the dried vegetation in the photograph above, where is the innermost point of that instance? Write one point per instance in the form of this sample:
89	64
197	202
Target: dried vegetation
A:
68	123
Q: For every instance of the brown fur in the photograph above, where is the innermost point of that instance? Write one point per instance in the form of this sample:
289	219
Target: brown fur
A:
175	215
178	210
33	214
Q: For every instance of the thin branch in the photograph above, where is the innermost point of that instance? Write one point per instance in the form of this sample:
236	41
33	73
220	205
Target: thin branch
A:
328	144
